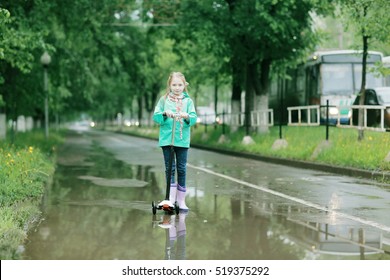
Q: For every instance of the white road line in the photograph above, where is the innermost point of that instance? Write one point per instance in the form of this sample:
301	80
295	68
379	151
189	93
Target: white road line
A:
298	200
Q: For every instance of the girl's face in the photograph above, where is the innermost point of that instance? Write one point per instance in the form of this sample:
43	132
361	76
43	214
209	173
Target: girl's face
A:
177	85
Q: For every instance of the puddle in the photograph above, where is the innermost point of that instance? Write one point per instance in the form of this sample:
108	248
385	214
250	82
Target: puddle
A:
102	211
120	183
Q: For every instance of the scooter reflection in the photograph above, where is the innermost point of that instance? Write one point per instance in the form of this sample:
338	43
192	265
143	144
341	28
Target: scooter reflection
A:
175	230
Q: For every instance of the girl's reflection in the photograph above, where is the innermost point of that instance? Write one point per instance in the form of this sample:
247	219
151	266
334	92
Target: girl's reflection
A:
175	243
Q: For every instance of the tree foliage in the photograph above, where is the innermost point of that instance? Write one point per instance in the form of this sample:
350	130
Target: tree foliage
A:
370	19
112	56
255	37
21	32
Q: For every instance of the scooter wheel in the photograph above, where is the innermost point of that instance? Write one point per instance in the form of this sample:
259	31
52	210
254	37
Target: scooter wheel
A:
177	209
154	208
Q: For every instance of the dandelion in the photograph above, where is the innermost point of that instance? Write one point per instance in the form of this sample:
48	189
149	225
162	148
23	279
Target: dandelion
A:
30	149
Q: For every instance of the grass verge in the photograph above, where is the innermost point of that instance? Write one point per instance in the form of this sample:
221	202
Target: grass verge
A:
26	165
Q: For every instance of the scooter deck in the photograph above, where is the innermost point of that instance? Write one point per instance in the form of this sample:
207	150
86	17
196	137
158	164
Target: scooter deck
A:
169	209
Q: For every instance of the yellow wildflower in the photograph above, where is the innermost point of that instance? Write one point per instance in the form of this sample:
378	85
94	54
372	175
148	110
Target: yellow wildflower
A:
30	149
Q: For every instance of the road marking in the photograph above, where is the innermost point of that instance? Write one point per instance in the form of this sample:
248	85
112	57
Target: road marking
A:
298	200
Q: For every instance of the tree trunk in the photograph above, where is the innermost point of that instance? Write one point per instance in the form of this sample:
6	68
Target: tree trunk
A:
140	106
237	69
249	94
3	126
216	93
151	100
262	90
236	93
262	105
363	87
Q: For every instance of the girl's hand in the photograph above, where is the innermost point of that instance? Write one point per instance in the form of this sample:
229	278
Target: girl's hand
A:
184	115
168	113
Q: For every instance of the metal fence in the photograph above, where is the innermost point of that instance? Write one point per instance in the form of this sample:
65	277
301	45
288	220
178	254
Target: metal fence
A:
295	116
312	115
366	109
309	112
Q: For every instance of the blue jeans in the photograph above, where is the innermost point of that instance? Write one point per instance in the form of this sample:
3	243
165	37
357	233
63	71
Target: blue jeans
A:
179	162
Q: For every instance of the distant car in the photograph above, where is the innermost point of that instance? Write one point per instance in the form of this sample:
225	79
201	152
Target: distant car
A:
206	115
81	125
374	96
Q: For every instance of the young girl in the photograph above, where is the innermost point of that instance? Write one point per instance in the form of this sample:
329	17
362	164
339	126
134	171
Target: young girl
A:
176	106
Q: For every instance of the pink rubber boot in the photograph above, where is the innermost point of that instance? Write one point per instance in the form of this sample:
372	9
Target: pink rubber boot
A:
181	195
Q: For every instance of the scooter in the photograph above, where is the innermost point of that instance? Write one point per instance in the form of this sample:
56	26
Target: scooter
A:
166	205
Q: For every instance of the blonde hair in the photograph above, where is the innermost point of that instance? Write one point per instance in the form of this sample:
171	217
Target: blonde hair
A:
177	75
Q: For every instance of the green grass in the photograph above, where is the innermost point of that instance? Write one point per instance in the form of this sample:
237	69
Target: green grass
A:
343	147
26	165
14	224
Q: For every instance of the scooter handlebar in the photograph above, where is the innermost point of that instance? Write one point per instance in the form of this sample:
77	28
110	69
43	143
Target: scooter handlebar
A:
173	116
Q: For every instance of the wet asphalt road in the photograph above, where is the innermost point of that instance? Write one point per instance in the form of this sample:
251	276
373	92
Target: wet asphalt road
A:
99	208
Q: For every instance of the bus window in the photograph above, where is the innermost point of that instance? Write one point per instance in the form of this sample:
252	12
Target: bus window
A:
386	64
336	79
371	80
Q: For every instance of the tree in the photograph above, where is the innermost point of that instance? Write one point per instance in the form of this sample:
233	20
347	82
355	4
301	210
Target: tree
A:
20	37
256	36
171	49
85	65
370	18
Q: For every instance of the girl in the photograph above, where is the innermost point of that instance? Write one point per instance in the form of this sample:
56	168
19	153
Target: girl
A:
176	106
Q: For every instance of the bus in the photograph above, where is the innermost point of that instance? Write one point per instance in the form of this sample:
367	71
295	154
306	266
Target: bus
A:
327	75
386	63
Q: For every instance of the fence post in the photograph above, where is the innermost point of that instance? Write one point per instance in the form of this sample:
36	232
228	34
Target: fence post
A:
223	122
280	124
327	119
281	107
205	123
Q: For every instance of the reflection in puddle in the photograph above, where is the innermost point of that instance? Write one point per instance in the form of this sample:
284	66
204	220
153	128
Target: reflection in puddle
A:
262	226
81	221
324	240
115	203
114	182
175	235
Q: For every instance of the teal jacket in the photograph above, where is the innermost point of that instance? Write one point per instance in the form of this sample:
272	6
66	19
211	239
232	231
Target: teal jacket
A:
165	138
